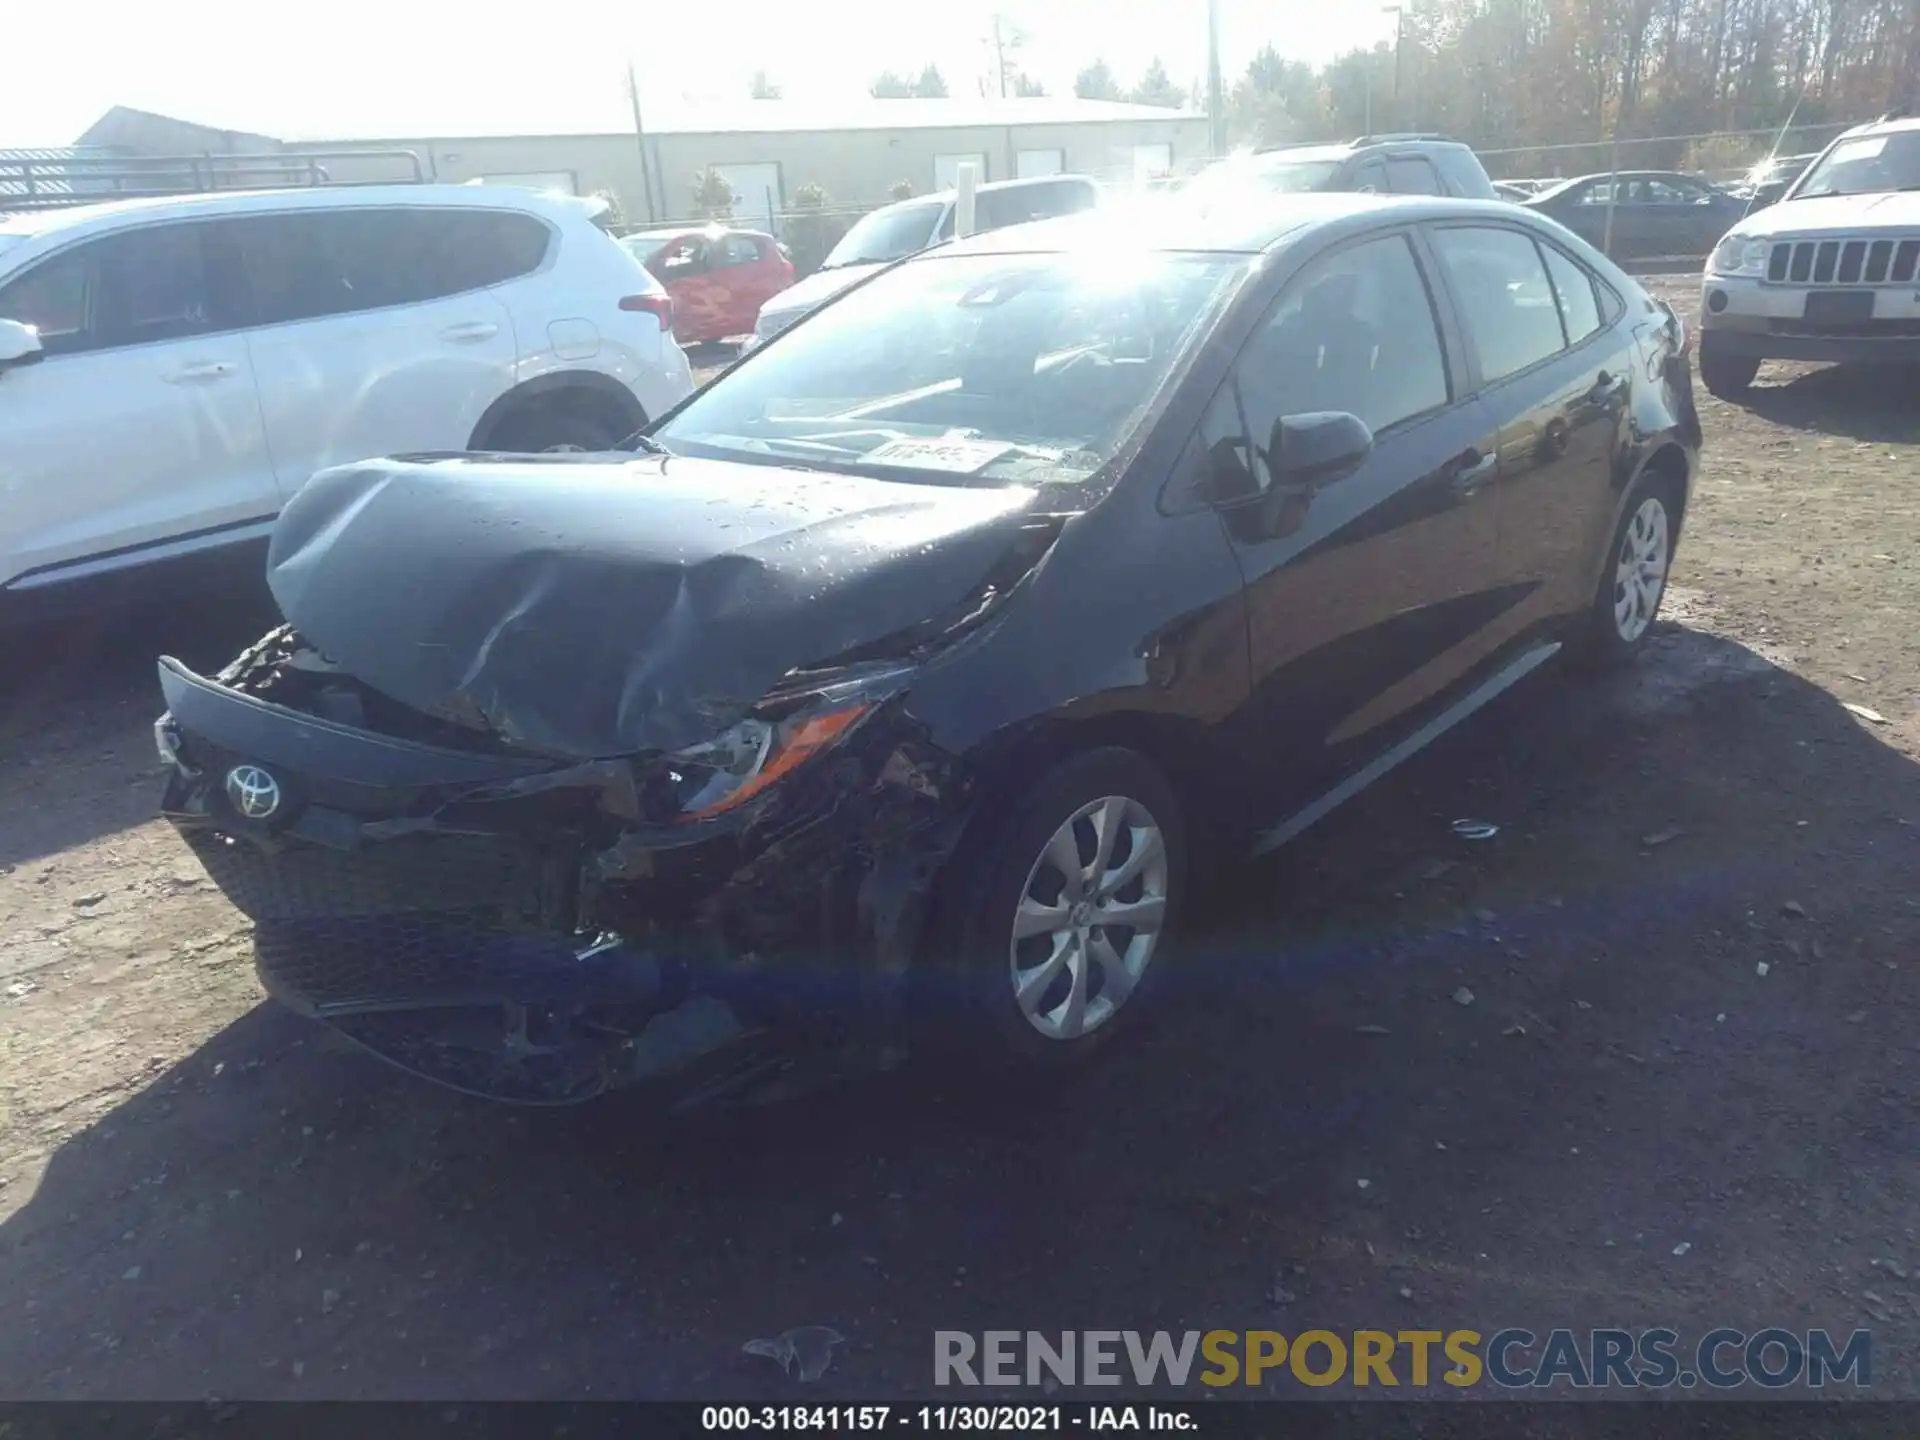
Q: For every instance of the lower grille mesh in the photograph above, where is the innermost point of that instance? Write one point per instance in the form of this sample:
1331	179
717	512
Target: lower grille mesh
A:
416	920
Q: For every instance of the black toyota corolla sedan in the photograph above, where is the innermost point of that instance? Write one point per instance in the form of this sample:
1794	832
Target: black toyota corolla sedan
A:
878	699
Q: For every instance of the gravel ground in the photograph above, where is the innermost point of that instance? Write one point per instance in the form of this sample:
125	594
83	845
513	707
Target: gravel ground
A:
1683	1091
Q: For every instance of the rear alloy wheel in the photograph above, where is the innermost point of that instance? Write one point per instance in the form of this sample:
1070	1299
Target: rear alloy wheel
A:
1726	376
1057	914
1635	578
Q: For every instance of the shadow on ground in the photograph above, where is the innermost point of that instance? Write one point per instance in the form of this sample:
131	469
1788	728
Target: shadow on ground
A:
1317	1133
1879	404
77	708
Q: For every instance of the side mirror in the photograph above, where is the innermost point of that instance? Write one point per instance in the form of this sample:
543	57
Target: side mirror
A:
19	344
1315	449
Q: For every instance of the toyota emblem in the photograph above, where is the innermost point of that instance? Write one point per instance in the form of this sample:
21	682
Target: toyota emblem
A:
255	794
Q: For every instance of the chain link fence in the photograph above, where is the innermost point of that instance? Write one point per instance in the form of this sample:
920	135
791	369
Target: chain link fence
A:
1720	156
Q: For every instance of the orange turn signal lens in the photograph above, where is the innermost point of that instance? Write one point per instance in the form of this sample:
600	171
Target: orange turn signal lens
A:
791	750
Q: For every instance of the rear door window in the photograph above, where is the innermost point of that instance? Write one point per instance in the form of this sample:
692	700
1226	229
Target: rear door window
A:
1506	302
1371	178
1579	298
335	262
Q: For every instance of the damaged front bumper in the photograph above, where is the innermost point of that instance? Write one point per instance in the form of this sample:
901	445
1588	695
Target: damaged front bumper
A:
529	928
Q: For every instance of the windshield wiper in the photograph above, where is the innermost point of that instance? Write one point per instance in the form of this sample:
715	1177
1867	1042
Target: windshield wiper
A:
639	440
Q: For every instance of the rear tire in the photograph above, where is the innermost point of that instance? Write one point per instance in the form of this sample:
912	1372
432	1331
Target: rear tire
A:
545	431
1633	580
1726	376
1031	962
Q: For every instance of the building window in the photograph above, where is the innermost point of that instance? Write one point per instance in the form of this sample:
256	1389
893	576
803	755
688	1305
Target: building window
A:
946	169
1032	164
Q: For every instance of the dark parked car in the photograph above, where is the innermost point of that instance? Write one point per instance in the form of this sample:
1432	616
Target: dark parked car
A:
1768	182
887	695
1655	213
1413	164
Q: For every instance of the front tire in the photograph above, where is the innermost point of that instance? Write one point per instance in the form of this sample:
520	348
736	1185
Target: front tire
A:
1727	377
1058	911
1633	581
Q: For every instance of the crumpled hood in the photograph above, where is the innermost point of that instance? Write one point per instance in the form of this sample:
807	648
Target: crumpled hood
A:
817	289
594	607
1899	209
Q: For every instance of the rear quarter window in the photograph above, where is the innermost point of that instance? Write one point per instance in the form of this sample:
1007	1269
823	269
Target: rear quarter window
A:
486	247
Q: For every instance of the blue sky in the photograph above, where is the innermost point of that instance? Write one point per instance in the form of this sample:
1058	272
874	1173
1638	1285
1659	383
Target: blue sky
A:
315	71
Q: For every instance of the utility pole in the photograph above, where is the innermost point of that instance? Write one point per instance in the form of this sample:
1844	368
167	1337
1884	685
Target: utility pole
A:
1216	101
999	55
640	138
1399	36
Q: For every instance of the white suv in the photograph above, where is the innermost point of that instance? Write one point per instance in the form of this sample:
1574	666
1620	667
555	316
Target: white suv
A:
1832	272
171	371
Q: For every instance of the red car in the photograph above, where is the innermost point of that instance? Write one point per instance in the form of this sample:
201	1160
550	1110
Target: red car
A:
718	277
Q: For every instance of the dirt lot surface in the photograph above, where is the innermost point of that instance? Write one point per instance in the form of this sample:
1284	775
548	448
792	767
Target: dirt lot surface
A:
1684	1090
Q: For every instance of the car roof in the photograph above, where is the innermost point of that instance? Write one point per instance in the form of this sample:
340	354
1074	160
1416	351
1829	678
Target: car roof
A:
110	214
1248	225
1560	185
944	197
1883	127
675	232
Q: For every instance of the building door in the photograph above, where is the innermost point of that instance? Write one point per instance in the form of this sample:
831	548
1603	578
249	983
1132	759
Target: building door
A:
946	169
1151	162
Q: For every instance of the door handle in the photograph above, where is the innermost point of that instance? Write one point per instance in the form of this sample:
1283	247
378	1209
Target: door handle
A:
204	370
470	331
1469	471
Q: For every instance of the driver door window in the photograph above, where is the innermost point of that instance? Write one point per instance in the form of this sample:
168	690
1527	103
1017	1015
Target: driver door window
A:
1354	331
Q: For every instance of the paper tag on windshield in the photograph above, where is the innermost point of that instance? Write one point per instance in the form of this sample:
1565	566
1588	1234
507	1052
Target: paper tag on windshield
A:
962	457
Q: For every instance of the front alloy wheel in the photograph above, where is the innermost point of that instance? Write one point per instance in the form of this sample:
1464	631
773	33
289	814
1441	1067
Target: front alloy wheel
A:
1049	937
1089	918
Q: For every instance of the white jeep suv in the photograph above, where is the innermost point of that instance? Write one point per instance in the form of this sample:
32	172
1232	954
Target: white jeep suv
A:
172	370
1832	272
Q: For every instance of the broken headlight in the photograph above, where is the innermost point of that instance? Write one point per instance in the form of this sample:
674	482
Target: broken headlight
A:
750	756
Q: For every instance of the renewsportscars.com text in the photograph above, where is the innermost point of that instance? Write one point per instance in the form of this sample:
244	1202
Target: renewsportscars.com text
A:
1513	1359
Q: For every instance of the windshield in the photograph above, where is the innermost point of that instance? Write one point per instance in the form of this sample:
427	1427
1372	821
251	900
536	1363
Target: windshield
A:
1869	165
887	234
977	369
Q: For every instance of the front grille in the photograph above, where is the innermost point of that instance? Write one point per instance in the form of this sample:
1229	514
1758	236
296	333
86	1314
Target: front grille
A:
419	920
1864	261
